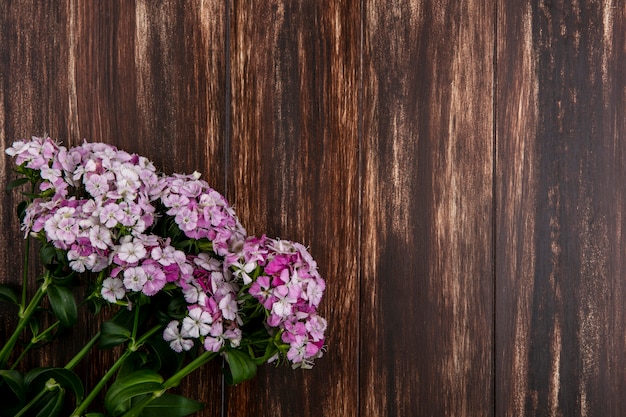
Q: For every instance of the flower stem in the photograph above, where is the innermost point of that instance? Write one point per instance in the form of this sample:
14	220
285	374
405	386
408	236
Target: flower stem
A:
24	319
80	408
135	324
71	364
133	346
22	355
38	397
173	381
25	275
80	355
148	334
42	336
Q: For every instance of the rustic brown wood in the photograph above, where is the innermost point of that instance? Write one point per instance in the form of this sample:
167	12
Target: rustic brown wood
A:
559	276
426	248
294	164
456	168
33	86
147	76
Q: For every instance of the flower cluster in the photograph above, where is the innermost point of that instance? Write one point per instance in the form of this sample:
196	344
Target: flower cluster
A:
213	311
289	287
93	195
201	212
110	212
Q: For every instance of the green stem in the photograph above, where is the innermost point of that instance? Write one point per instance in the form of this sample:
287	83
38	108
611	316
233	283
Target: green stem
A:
173	381
33	342
22	355
80	409
133	346
71	364
25	275
24	319
24	411
148	334
36	339
135	323
80	355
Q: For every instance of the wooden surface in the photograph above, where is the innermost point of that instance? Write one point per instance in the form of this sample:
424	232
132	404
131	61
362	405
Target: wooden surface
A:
426	250
560	323
456	168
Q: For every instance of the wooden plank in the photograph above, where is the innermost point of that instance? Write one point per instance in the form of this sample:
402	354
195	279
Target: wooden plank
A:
146	76
33	85
561	330
426	299
294	164
179	53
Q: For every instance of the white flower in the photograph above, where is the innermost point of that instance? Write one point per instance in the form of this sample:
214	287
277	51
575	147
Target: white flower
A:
100	237
135	278
197	323
243	270
96	185
18	148
112	289
194	294
131	251
177	342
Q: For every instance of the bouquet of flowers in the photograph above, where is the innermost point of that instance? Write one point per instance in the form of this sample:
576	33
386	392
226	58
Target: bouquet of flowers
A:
169	271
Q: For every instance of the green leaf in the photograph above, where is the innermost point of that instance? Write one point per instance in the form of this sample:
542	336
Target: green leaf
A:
168	360
21	210
48	254
37	378
15	381
8	294
240	367
205	245
34	326
137	361
117	399
54	406
113	334
63	304
171	405
16	183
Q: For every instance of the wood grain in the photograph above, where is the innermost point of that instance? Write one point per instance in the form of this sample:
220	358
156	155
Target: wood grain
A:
560	323
33	80
147	77
456	168
294	164
427	310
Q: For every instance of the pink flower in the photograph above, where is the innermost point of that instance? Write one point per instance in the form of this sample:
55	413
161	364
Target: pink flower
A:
215	340
186	219
315	291
135	278
316	326
228	306
260	289
100	237
96	185
155	279
110	215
